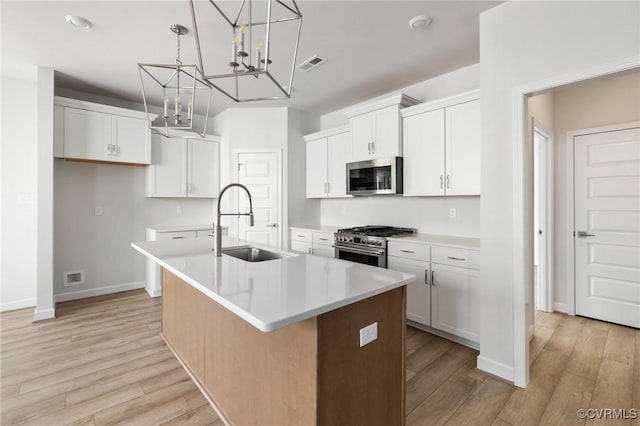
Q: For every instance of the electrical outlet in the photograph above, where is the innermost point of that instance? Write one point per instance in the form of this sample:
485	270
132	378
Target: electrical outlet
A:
453	213
368	334
98	211
179	209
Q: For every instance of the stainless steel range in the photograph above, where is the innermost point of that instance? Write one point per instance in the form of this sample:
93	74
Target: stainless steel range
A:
366	244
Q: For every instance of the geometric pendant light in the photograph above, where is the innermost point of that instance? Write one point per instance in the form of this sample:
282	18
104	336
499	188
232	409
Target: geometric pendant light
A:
176	85
247	49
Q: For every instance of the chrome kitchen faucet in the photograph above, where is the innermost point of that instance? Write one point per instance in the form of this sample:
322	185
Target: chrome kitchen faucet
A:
217	248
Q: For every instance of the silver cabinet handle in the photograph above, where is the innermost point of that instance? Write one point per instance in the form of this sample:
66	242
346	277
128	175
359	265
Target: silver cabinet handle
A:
456	258
433	281
328	187
407	251
426	276
441	181
369	147
585	234
373	147
176	238
300	236
323	239
448	181
271	225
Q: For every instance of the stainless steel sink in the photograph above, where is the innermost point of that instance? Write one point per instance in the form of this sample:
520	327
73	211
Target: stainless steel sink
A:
251	254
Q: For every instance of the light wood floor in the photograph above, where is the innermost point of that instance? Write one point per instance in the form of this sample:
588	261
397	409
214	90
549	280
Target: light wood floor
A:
102	362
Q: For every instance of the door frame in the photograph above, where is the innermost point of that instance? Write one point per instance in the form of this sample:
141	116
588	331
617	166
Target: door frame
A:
570	237
547	219
522	211
278	152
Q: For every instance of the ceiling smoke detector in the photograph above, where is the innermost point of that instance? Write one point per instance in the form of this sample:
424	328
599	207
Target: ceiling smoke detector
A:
311	63
420	21
79	21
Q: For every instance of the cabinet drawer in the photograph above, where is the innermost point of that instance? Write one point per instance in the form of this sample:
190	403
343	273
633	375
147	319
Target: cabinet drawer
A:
409	250
301	235
456	257
322	238
175	235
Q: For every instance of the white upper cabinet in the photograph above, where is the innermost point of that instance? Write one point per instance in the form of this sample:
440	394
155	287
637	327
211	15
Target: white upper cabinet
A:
327	155
184	168
423	151
463	149
92	132
376	127
441	144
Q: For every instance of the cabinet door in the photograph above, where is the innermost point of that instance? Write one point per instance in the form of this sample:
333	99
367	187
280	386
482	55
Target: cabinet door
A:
87	135
323	250
455	308
166	177
463	149
362	136
387	132
203	169
132	139
317	168
423	152
418	291
301	246
339	148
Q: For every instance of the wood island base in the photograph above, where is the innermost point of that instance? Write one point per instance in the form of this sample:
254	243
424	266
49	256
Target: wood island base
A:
313	372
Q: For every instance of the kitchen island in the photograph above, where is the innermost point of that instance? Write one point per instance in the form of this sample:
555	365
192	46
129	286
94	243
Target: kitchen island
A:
279	342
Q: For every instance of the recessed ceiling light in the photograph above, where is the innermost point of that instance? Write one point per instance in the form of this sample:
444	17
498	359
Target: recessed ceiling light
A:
79	21
420	21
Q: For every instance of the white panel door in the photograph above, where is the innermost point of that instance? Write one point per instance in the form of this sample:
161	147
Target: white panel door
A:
455	301
607	226
167	177
423	152
259	172
87	135
418	291
317	168
463	149
132	139
203	169
339	152
386	136
362	136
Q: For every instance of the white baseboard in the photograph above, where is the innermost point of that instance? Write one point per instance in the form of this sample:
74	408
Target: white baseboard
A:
43	314
82	294
17	304
561	307
153	293
496	368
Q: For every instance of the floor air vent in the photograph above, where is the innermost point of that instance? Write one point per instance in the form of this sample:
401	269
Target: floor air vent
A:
311	63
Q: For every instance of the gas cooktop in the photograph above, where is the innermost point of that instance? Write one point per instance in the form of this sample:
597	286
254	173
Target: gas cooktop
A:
377	231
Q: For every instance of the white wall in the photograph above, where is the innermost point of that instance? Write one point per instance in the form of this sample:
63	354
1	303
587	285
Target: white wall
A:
569	36
594	103
19	187
100	245
427	214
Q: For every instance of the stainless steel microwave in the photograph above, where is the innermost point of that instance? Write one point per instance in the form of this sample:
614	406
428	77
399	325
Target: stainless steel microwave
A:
374	177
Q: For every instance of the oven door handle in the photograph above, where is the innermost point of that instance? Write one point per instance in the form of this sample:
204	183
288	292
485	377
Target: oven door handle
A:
355	250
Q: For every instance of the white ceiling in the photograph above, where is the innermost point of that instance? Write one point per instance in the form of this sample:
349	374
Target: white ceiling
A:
370	48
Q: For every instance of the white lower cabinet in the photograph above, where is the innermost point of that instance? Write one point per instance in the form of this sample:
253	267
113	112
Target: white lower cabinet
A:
444	295
454	296
312	242
418	292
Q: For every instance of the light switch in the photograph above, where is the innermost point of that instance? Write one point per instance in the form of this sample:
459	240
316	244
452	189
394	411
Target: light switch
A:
179	209
98	211
453	213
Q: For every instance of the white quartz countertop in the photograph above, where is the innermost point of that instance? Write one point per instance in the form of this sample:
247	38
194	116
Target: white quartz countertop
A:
441	240
321	228
275	293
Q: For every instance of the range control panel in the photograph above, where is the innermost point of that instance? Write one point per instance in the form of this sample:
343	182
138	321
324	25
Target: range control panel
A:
360	240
